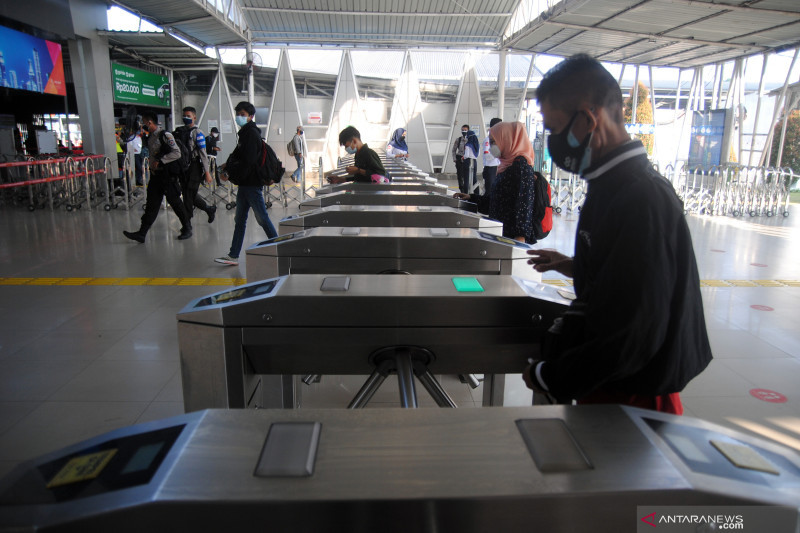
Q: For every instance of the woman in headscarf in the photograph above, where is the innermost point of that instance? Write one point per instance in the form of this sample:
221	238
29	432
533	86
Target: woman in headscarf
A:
397	146
511	199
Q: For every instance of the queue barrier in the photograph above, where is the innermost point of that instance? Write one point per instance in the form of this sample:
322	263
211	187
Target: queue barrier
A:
72	181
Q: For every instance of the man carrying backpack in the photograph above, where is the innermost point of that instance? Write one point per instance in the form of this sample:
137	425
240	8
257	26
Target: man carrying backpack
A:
242	168
297	150
164	174
191	136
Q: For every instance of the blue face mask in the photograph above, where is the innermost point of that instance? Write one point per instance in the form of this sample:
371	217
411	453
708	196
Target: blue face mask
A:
240	120
350	150
187	121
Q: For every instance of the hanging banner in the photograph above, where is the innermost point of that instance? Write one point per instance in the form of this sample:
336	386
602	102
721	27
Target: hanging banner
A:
135	86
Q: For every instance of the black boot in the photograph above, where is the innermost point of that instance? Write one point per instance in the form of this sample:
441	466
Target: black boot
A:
212	213
137	236
186	232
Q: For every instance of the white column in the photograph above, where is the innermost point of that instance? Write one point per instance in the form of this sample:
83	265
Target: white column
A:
251	93
501	86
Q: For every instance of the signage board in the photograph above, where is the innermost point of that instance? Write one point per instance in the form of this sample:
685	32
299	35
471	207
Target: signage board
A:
135	86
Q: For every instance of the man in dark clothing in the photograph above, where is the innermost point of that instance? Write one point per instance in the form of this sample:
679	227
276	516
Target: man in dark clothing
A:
367	167
190	181
636	333
241	166
462	162
164	154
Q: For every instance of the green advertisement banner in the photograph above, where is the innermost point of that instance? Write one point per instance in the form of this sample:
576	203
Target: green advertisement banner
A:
134	86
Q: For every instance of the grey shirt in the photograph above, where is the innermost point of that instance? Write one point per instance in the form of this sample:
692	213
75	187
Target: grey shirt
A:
154	145
297	144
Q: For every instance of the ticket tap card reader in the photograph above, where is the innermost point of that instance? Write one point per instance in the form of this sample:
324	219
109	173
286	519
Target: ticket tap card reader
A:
298	325
399	216
386	198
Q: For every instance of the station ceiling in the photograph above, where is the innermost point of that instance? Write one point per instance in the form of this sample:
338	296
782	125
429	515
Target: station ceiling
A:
678	33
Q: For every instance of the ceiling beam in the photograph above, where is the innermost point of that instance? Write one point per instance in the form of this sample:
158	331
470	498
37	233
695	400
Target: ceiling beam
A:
654	37
293	11
734	7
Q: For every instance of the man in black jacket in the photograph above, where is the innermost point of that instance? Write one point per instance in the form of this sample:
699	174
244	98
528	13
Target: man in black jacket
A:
164	154
241	166
636	334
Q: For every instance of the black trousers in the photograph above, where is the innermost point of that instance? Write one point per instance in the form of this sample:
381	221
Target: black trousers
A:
190	184
462	173
161	184
489	174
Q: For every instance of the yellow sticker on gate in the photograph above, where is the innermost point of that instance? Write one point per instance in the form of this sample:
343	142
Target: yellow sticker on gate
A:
82	468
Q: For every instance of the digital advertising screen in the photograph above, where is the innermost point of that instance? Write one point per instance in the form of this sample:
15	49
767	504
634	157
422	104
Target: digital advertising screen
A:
29	63
705	145
135	86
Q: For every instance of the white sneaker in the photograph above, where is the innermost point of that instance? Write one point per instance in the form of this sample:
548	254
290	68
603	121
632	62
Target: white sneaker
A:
227	260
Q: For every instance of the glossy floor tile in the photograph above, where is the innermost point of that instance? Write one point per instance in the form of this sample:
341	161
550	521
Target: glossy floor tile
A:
76	361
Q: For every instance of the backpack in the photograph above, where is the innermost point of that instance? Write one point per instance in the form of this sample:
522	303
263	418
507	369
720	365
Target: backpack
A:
269	168
290	148
182	142
542	210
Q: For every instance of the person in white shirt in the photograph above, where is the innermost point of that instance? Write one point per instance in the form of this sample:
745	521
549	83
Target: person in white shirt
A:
490	162
134	149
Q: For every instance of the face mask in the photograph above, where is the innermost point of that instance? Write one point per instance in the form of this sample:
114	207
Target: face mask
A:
300	132
240	120
215	135
350	150
187	121
464	133
567	152
495	151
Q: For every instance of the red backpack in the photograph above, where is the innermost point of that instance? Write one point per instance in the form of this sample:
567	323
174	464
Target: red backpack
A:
542	209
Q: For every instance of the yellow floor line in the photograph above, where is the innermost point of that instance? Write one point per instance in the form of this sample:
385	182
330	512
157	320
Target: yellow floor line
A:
227	282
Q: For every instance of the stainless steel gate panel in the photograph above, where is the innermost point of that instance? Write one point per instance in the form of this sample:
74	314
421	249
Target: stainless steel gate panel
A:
464	471
379	250
290	325
387	198
399	216
372	187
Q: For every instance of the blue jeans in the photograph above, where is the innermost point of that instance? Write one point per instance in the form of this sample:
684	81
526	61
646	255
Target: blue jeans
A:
296	173
249	197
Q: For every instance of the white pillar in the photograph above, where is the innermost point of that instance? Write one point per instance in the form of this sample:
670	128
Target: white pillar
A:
501	86
764	59
251	93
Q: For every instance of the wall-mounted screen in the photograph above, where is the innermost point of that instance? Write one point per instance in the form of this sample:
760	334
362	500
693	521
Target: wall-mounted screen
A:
705	145
31	64
135	86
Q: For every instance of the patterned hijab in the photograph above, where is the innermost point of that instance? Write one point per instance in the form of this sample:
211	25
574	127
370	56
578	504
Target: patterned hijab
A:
512	139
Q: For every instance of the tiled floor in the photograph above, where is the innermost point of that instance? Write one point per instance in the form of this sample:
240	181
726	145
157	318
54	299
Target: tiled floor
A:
78	361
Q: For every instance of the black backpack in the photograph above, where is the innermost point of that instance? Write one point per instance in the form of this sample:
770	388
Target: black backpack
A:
269	168
183	139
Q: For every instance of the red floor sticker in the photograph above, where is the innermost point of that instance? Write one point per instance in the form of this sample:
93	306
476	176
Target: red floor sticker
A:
762	308
720	251
767	395
758	264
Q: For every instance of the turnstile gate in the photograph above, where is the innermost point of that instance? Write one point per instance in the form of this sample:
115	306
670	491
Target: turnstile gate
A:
559	469
387	198
325	324
412	186
358	250
387	216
